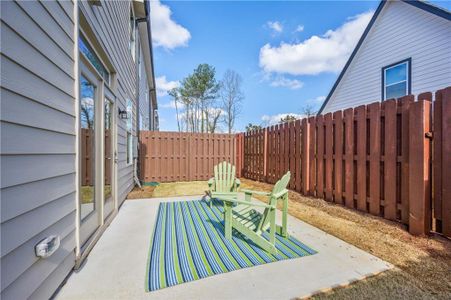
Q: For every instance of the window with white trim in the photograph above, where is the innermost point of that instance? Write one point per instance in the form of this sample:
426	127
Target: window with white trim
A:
87	50
396	80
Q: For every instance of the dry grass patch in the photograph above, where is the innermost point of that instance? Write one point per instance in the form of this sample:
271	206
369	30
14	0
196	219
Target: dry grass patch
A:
145	192
423	264
174	189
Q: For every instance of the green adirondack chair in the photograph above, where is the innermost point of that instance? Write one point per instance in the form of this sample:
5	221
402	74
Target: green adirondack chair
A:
224	182
244	218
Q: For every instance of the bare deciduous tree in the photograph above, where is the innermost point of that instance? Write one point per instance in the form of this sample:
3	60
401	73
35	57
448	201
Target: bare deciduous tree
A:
232	97
309	110
175	94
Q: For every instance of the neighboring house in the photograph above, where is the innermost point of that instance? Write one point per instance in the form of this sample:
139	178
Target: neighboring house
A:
405	49
70	70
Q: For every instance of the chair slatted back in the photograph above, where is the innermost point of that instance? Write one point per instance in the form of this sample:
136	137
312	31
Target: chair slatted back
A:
279	187
224	173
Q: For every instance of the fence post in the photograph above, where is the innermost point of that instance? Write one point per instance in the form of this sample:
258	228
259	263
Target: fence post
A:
312	156
419	166
442	161
446	159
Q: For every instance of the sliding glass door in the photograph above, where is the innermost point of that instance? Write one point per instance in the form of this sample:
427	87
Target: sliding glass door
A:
90	89
97	152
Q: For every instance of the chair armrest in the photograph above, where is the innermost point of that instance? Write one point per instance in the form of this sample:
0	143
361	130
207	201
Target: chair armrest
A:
256	192
281	193
233	200
225	194
211	181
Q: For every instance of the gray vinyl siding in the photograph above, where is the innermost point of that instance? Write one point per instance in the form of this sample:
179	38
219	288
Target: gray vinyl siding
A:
38	138
37	145
401	31
109	23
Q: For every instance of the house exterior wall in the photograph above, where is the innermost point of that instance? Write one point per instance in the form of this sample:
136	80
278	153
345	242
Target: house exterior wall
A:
401	31
37	145
38	133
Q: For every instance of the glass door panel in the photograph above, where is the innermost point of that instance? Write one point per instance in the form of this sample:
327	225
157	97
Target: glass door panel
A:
108	150
88	146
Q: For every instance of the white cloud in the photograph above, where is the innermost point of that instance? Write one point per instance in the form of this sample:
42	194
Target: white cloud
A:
277	80
281	81
275	119
276	26
319	99
300	28
163	86
166	32
326	53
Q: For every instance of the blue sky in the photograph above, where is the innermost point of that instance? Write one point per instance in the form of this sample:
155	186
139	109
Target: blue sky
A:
288	53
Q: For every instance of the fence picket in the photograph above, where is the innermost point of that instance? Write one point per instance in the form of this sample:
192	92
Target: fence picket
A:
338	153
320	157
374	112
349	157
328	150
305	166
297	155
361	147
389	139
312	156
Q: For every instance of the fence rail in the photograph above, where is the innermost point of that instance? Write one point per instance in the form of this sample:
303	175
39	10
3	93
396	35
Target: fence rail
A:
181	156
376	158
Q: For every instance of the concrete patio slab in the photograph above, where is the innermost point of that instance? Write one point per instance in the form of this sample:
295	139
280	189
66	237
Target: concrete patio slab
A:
116	267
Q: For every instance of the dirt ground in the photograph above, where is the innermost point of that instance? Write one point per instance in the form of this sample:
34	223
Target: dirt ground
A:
172	189
141	193
423	264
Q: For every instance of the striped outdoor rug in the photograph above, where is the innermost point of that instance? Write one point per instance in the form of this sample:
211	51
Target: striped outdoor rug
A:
188	243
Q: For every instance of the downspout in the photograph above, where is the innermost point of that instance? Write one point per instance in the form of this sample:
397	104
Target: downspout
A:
138	115
147	20
153	87
77	139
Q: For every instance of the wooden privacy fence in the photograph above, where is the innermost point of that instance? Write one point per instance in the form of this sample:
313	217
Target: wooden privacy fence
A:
182	156
376	158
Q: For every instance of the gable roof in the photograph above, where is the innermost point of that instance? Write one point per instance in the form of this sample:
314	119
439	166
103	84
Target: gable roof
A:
441	12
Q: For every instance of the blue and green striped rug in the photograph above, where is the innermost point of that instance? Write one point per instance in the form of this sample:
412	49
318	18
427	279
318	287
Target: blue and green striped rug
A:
188	244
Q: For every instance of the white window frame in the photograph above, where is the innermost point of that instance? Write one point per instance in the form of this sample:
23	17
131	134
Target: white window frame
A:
408	79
